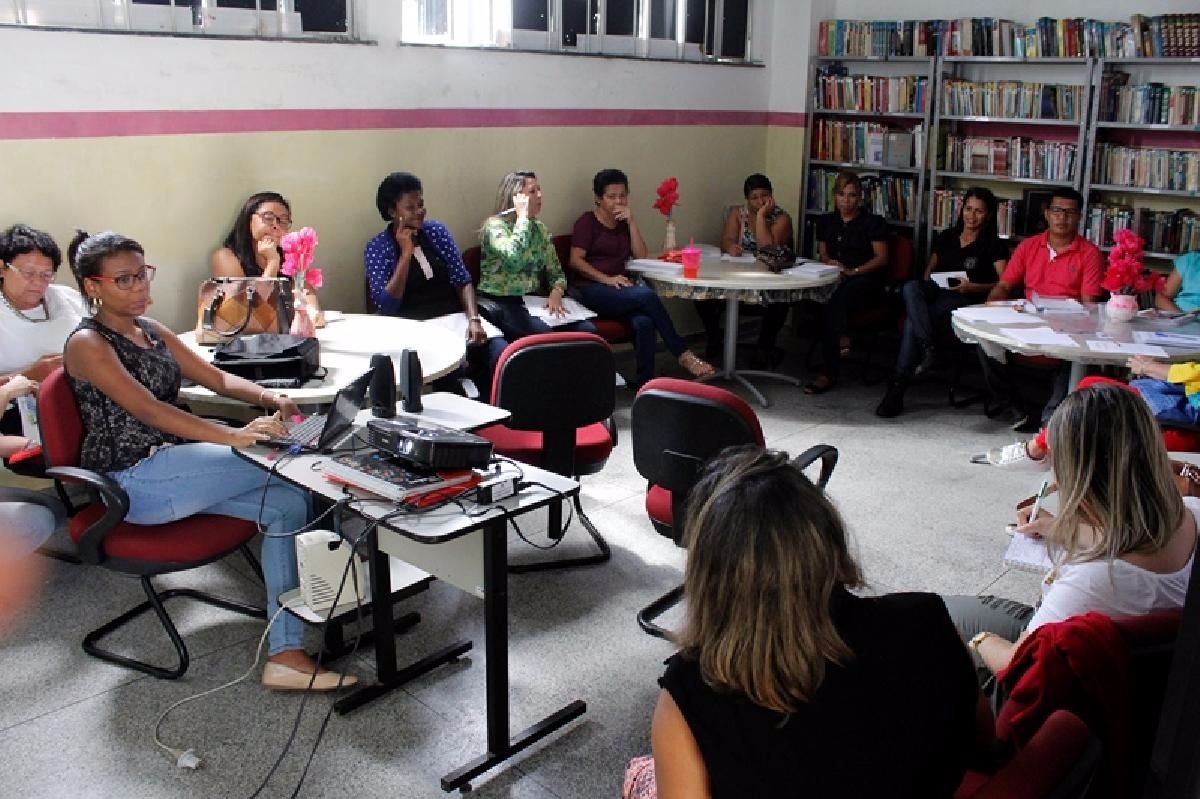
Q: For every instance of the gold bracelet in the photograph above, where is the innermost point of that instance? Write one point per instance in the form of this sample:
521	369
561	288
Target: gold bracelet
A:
262	397
978	639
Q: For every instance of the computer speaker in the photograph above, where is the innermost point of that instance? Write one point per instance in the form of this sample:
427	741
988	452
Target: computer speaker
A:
383	386
411	381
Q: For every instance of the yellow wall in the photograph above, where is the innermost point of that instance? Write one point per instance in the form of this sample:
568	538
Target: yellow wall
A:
177	194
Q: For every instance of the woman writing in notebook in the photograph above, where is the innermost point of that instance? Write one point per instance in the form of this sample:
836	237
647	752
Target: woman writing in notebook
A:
125	371
1123	539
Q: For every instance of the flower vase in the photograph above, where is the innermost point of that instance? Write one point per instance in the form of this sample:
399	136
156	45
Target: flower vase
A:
669	236
302	323
1121	307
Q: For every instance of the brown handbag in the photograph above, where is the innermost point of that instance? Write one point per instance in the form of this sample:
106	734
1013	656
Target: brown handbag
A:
233	306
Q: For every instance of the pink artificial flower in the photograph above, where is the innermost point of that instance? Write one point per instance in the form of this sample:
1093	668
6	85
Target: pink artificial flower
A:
314	277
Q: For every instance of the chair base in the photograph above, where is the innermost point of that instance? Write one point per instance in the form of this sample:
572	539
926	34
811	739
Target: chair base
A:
658	607
154	601
556	527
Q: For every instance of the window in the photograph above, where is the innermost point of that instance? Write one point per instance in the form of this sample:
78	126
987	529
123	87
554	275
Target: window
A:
246	17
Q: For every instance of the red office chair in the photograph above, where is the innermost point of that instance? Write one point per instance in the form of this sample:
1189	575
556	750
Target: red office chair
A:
1059	761
104	539
677	426
612	329
559	389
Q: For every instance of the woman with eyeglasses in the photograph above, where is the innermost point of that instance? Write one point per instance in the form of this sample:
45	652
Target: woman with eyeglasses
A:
125	370
251	248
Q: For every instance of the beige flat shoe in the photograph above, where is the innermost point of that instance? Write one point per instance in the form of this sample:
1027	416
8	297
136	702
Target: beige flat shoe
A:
697	366
278	677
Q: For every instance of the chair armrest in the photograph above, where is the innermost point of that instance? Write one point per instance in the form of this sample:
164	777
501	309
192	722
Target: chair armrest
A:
610	425
828	456
116	507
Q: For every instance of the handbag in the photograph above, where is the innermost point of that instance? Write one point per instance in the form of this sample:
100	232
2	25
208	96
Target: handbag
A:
777	257
278	359
227	307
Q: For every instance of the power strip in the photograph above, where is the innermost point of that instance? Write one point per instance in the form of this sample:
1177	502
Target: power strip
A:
494	489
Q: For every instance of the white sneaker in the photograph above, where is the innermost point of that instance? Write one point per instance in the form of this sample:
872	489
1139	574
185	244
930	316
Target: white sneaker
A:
1014	457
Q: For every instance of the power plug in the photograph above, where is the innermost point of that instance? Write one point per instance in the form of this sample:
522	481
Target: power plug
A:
187	759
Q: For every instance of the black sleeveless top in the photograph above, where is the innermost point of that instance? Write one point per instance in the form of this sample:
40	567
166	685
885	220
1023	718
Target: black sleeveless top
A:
427	298
113	439
897	720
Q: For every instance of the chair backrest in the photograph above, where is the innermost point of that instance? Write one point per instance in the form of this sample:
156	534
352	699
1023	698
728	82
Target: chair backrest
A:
1057	763
562	246
677	426
472	258
900	259
62	431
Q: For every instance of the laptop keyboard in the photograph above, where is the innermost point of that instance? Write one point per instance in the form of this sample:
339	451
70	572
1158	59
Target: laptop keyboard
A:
306	432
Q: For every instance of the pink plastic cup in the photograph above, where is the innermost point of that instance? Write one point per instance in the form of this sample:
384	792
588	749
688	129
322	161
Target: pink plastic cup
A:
691	261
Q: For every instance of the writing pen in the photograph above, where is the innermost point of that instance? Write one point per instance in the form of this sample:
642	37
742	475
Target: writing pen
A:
1037	503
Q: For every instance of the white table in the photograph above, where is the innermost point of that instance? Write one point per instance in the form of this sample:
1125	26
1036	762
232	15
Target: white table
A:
347	344
448	410
734	282
1081	328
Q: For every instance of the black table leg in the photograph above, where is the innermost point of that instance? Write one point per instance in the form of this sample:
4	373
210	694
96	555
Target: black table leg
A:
500	746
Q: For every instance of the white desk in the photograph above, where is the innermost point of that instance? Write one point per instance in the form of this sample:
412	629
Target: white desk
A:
448	410
1080	328
470	552
347	345
734	282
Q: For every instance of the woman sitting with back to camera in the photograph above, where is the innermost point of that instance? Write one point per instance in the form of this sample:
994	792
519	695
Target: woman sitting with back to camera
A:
252	246
602	242
750	228
787	684
125	371
971	245
1124	537
518	258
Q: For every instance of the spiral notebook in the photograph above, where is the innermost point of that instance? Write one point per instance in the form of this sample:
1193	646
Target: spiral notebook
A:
1028	554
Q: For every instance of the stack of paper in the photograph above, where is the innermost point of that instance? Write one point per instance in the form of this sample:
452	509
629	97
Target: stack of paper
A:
1039	336
738	259
1163	338
1124	348
812	269
996	315
1058	305
575	312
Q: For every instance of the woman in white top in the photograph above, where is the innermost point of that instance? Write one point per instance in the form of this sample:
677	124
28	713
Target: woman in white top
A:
1123	539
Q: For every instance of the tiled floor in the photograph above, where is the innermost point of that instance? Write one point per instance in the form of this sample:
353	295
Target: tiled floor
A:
922	518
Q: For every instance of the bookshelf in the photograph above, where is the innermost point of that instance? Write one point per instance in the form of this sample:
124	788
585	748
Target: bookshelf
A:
1014	124
868	114
1143	154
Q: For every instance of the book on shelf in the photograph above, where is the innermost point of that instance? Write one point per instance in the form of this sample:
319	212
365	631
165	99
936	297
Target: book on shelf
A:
947	206
1015	157
1147	103
1011	99
1146	167
1165	232
838	91
890	196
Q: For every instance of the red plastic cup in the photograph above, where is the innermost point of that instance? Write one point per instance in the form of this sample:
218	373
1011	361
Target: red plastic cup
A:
691	261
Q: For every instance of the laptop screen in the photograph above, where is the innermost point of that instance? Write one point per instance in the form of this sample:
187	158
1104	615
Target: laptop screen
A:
346	405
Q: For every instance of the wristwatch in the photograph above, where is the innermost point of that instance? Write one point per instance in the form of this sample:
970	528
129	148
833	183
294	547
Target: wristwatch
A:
978	639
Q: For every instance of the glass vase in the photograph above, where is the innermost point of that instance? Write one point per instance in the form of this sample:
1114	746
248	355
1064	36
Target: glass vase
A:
669	236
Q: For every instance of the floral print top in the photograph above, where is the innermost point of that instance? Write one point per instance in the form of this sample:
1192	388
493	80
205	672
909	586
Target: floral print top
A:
748	241
518	258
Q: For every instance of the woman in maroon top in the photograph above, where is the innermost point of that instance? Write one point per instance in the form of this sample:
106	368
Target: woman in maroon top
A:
601	243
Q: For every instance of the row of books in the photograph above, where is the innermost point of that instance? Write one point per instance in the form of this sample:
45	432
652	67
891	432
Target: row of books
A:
840	92
1014	157
1146	167
1147	103
1012	99
866	143
948	203
1163	35
893	197
1171	232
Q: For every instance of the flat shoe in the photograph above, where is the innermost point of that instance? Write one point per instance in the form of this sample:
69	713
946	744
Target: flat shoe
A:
818	386
278	677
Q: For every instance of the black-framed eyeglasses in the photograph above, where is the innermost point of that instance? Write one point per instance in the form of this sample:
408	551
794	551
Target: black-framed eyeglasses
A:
1058	211
273	220
127	281
31	275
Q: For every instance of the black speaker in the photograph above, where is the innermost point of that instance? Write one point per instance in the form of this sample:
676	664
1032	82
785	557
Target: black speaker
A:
411	381
383	386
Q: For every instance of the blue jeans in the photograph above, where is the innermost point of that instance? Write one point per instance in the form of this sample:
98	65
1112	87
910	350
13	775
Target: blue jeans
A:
924	305
186	479
644	311
515	322
1168	401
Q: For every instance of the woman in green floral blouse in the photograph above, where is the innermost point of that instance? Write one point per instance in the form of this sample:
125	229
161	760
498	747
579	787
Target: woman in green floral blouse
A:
518	258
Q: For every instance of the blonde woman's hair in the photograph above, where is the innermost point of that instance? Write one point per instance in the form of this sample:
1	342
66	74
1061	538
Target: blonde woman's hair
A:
1113	475
766	550
512	184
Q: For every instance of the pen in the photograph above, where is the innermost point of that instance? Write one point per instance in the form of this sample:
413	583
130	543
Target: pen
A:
1037	503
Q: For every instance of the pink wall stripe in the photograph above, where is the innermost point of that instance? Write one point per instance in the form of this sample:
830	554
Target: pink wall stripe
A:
89	124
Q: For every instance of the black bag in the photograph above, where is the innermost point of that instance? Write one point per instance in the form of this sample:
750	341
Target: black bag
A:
278	359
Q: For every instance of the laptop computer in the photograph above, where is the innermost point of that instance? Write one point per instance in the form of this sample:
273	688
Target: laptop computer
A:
322	431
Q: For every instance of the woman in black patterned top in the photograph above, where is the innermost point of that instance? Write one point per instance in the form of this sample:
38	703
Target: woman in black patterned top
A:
125	371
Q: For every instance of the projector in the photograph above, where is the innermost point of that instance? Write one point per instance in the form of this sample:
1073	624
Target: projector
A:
322	556
428	446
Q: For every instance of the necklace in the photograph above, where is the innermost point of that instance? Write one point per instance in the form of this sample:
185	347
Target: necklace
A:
20	313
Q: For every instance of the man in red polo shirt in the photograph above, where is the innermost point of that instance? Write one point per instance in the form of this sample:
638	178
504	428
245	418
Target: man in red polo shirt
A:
1056	263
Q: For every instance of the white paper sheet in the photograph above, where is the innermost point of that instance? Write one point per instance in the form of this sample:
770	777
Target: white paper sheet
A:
1040	336
813	270
996	315
1028	553
1126	348
1163	338
457	323
1058	305
943	278
576	312
738	259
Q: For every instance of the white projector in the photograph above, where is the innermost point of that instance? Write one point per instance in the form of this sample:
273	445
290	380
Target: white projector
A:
322	556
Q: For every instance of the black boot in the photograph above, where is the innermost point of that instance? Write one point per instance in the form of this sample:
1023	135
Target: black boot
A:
892	404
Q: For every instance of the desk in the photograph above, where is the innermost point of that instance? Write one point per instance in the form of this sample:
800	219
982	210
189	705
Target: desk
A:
1093	326
448	410
347	345
734	282
470	553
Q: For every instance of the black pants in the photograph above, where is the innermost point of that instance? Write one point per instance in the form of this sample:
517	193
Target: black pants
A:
852	294
773	317
1004	384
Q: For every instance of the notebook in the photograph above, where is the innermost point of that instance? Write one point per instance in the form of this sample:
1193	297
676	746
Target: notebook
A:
1028	554
384	476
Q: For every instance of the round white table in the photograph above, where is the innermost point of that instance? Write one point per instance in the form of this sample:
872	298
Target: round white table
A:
735	282
1082	339
347	343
